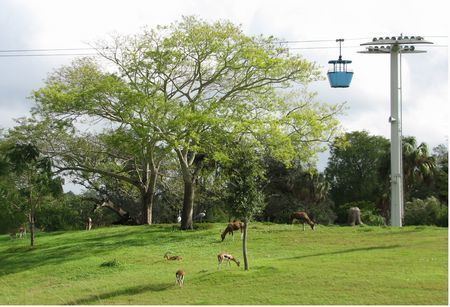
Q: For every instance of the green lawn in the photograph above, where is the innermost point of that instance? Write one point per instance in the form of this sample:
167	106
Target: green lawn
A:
332	265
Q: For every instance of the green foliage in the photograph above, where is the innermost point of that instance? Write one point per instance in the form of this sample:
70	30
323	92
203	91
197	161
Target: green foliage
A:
246	174
322	212
440	180
66	213
190	88
426	212
353	167
419	168
372	218
28	184
295	188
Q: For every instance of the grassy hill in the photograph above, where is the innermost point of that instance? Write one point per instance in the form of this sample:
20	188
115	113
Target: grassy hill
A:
332	265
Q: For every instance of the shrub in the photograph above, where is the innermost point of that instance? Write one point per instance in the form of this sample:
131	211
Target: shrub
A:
371	218
323	213
368	212
110	264
426	212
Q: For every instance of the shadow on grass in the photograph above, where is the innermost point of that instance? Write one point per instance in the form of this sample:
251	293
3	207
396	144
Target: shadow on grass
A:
352	250
57	249
127	291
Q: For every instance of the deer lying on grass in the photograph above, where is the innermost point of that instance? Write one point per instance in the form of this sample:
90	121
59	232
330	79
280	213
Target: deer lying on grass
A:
226	257
166	256
235	225
179	275
303	218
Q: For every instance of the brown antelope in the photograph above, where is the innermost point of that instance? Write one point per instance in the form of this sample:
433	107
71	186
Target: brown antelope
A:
179	275
235	225
22	232
166	256
303	218
226	257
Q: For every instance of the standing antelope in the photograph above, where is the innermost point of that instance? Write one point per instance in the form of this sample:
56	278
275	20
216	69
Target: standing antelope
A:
88	223
179	275
303	218
22	232
235	225
226	257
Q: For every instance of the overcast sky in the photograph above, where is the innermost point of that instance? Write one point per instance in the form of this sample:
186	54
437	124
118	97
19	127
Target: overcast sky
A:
53	24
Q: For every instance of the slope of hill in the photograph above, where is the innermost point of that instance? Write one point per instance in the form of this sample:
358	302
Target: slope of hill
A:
125	265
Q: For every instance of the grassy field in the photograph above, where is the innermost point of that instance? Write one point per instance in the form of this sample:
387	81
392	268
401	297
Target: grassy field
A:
332	265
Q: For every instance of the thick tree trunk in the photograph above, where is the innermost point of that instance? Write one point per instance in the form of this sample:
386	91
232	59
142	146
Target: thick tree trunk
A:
147	195
244	245
125	218
188	205
147	207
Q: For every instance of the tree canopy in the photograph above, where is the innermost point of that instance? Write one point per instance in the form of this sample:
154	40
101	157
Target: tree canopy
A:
191	89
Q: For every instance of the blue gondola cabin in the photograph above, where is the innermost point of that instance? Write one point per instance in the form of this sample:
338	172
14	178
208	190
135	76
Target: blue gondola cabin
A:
338	75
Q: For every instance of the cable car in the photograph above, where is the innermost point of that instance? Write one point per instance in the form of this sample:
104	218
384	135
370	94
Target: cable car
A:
339	76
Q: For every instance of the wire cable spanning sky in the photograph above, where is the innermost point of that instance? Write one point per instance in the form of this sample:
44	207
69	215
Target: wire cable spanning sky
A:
287	43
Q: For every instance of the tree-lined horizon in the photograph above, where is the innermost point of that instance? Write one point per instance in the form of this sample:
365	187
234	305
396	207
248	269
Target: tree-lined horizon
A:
197	116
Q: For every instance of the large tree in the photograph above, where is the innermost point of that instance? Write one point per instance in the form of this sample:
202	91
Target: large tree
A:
31	175
245	187
353	168
118	154
419	165
193	86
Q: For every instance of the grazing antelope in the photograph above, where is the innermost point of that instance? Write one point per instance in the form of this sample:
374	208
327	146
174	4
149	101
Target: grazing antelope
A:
179	275
226	257
303	218
235	225
166	256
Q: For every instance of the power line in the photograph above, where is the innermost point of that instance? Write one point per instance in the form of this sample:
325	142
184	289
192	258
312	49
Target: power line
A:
40	50
9	53
321	40
46	55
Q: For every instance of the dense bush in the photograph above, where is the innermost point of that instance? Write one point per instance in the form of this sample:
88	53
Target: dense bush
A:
371	218
426	212
56	216
322	212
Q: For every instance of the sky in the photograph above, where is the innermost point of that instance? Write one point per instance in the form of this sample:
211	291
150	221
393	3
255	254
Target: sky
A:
53	24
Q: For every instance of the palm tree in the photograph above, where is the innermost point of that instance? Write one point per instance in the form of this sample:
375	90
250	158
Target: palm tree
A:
418	165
